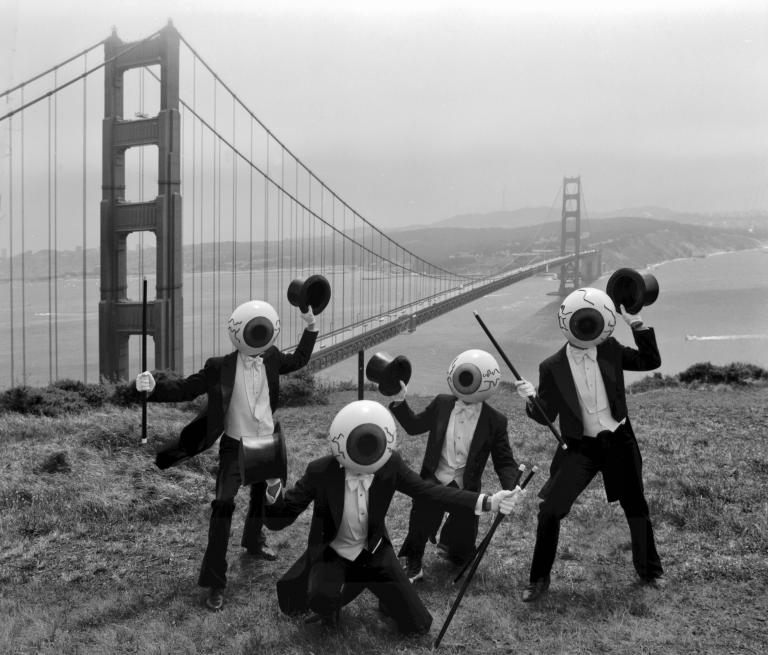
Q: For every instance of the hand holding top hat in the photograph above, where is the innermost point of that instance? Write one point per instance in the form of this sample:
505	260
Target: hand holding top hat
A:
391	374
630	291
312	294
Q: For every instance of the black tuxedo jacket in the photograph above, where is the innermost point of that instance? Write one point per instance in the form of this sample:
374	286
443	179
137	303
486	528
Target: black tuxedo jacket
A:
558	397
557	391
216	379
490	438
323	484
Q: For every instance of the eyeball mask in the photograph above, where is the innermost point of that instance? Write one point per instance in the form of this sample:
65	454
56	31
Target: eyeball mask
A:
474	376
587	317
363	436
253	327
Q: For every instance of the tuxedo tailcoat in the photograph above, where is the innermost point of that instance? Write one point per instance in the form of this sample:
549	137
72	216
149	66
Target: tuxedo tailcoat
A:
323	485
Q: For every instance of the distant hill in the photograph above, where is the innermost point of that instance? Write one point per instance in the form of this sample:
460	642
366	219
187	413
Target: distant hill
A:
625	241
538	215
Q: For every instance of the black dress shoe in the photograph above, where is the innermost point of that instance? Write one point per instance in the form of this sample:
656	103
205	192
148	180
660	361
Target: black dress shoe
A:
535	590
262	551
653	582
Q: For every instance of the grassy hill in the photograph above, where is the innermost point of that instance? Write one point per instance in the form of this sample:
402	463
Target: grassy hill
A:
99	550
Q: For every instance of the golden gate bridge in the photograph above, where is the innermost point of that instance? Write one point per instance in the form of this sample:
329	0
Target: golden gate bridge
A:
110	157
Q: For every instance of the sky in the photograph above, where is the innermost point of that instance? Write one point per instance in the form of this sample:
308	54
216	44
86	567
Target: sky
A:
415	111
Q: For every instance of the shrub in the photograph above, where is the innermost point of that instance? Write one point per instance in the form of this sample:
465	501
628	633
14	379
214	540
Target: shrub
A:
654	381
735	373
48	401
298	389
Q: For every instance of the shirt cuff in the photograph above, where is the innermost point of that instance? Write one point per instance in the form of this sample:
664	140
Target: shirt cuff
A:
479	504
271	500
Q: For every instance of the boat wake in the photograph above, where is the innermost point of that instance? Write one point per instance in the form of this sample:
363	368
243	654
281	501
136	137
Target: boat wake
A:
725	337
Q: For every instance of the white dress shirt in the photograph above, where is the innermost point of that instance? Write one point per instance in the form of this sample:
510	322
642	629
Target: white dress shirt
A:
249	413
458	437
590	389
353	531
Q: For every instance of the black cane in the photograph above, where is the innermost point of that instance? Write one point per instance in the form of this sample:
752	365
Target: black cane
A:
475	563
535	401
520	470
144	360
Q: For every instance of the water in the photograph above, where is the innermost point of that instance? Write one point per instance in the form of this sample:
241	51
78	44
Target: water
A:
709	309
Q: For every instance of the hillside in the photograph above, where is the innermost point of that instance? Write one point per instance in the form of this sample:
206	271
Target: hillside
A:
634	242
99	550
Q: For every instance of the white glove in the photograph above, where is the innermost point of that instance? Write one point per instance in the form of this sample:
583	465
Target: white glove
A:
525	389
400	397
510	502
145	382
499	497
309	318
633	320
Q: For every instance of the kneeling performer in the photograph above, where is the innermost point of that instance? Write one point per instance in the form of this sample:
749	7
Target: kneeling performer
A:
348	547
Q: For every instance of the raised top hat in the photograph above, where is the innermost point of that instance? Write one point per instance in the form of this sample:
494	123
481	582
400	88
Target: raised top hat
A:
314	292
629	288
262	458
388	372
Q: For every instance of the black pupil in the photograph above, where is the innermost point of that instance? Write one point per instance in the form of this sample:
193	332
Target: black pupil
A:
258	331
587	324
366	443
465	378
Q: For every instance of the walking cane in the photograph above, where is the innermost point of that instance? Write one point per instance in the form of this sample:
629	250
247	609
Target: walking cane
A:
468	563
144	360
535	401
478	556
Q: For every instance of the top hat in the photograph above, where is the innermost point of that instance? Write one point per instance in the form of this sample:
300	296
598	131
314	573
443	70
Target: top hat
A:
314	292
388	372
262	458
627	287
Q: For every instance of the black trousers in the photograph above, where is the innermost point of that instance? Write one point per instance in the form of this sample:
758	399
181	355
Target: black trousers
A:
213	572
459	532
381	573
616	456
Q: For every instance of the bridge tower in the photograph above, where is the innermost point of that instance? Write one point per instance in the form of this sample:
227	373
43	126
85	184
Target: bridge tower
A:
119	316
570	241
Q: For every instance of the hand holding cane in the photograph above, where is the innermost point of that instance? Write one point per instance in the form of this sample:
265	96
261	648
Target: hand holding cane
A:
478	556
534	400
468	563
144	360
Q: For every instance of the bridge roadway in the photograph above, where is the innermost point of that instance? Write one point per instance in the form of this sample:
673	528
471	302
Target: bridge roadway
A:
327	354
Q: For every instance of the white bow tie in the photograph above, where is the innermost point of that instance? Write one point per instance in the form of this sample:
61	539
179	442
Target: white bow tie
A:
579	355
356	480
253	362
466	410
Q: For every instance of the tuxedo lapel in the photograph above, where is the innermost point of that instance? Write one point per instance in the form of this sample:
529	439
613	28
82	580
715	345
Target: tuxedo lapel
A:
335	489
608	371
561	371
482	430
441	425
228	369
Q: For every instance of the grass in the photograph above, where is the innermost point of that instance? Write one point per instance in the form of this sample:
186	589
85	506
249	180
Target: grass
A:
99	550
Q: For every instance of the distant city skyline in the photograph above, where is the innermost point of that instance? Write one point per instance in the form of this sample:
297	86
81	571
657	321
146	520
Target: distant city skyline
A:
414	112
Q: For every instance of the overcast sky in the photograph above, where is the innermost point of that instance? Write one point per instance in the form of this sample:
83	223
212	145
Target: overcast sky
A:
414	111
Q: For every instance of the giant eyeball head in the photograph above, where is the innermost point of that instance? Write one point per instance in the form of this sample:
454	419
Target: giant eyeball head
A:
253	327
474	376
587	317
363	436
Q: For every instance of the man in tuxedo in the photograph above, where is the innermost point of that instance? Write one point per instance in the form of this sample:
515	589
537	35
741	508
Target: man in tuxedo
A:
242	389
348	548
583	385
463	431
